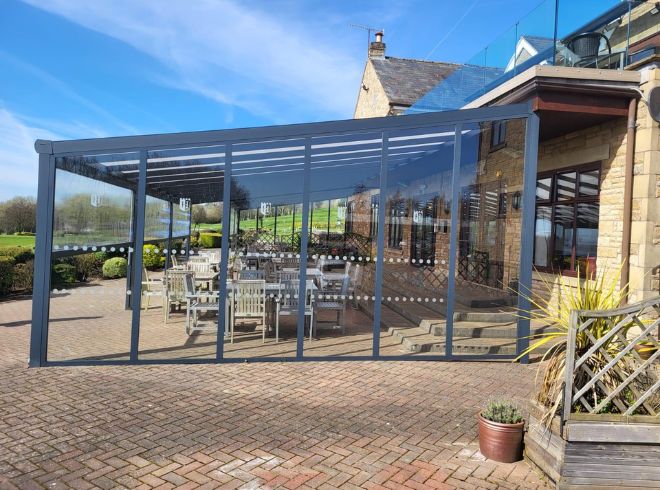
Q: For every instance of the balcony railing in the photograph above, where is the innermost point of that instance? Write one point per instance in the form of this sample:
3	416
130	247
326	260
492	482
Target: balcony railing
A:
588	34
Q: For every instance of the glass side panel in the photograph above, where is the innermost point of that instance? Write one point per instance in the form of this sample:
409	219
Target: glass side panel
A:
91	259
416	262
563	231
345	171
488	254
586	239
543	236
265	234
179	314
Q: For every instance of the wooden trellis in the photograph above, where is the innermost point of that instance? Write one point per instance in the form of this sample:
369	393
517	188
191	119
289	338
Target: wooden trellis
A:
609	369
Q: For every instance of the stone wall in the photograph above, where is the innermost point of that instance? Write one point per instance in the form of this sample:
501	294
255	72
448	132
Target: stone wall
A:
372	100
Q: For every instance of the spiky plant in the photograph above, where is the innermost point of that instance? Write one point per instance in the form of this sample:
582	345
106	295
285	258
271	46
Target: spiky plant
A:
502	412
599	293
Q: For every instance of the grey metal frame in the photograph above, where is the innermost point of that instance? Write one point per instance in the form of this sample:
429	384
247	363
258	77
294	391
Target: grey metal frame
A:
49	150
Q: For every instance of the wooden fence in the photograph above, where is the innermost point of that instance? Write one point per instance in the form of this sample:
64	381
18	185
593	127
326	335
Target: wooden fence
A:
612	361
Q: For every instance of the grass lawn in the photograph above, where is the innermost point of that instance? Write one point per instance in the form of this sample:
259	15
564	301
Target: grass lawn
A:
16	241
284	223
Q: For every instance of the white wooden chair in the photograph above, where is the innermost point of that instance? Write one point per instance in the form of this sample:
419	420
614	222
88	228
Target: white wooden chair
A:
200	267
197	302
248	300
286	276
332	301
288	299
175	294
252	274
151	287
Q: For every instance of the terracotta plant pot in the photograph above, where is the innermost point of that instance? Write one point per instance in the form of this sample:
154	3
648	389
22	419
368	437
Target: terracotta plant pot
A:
645	351
500	442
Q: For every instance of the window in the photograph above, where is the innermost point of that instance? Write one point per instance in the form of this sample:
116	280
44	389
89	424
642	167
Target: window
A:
395	232
566	229
373	223
497	135
348	224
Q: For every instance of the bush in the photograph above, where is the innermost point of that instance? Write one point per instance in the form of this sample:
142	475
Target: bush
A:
152	259
210	240
23	276
115	267
62	274
88	265
502	412
25	233
6	274
19	254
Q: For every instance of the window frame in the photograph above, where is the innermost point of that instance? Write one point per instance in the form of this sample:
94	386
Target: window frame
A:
497	135
396	215
553	201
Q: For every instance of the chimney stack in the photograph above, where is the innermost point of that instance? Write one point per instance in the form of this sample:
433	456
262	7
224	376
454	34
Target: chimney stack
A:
377	47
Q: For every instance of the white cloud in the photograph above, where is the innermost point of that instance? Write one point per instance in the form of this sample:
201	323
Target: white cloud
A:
233	53
18	160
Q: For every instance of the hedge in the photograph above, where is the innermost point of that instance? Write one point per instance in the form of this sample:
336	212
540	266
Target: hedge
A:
24	276
6	274
115	267
62	274
152	259
19	254
210	240
88	265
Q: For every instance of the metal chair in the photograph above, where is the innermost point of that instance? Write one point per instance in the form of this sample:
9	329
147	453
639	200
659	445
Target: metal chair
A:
248	300
197	302
586	47
288	300
334	301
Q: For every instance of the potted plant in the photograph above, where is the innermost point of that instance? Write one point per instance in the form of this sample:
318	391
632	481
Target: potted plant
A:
501	431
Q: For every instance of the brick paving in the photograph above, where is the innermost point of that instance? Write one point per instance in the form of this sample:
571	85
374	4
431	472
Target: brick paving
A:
374	425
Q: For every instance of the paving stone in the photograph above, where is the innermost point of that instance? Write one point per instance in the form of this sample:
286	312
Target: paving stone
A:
371	425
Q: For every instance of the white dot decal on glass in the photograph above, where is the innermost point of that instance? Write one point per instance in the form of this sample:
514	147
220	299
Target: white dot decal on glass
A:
373	298
336	257
435	261
433	300
428	261
359	259
413	261
389	298
128	291
290	256
103	249
396	298
426	300
344	257
367	259
352	257
94	248
419	299
130	249
404	299
66	247
297	256
442	300
350	297
56	247
112	249
443	261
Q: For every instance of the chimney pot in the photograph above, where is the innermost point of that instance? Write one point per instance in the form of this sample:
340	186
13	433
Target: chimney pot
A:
377	47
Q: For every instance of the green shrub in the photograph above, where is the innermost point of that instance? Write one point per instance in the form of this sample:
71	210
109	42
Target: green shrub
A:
210	240
152	259
115	267
23	276
88	265
19	254
6	274
24	233
62	274
502	412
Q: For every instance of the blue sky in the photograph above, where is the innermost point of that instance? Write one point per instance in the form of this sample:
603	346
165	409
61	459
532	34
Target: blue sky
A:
80	68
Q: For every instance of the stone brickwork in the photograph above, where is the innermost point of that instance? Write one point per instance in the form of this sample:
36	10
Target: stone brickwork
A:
372	100
645	233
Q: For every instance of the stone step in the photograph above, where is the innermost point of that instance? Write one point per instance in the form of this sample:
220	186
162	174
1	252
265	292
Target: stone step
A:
418	339
437	327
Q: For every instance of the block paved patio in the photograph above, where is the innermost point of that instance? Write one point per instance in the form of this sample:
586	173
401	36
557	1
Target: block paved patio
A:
255	425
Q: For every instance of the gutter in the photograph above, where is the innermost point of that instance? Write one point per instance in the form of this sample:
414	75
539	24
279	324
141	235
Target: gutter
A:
627	197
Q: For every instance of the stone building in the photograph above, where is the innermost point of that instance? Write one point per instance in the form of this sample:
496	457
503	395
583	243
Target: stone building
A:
598	185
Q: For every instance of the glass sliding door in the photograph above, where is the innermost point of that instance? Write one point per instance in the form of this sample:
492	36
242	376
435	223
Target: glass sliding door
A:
90	290
416	241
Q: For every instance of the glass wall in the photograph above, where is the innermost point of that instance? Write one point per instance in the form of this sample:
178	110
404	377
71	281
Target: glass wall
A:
416	242
91	260
354	243
490	192
179	292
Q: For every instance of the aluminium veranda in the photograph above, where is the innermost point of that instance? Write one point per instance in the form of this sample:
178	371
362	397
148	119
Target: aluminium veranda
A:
384	238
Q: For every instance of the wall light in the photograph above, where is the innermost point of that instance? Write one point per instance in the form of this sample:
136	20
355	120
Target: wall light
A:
516	200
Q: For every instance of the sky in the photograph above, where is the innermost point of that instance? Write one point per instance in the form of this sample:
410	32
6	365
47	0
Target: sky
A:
81	69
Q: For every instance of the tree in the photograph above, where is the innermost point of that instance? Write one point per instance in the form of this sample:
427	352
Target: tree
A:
18	215
198	215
